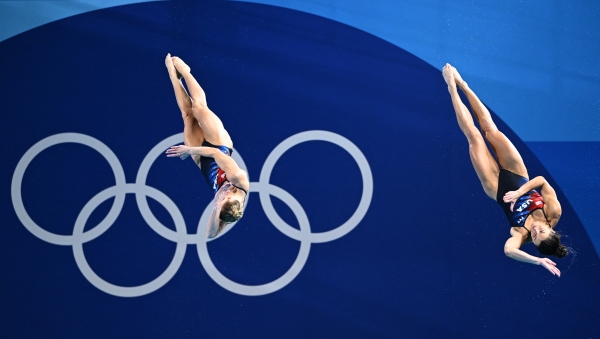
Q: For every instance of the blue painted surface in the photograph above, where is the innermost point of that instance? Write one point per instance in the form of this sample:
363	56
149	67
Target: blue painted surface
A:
576	165
527	62
20	16
523	59
426	261
540	57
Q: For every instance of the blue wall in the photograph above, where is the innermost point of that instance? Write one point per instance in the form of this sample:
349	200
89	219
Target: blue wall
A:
422	255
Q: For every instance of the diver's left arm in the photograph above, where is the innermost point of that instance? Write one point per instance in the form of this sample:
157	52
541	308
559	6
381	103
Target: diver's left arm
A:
536	182
553	209
234	173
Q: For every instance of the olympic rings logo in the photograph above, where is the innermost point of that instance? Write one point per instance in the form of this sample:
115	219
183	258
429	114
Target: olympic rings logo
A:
180	235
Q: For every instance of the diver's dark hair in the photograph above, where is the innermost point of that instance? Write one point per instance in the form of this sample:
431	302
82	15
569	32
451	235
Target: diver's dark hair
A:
231	211
552	246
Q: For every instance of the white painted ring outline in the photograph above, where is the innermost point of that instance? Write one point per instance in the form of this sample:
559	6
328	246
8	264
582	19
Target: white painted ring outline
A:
180	236
365	199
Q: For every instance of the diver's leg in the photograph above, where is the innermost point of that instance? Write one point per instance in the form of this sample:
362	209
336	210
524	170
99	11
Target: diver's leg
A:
483	162
183	99
192	132
192	135
508	156
213	129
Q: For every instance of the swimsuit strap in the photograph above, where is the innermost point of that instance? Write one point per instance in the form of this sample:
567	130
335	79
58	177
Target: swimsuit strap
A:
240	188
245	192
545	217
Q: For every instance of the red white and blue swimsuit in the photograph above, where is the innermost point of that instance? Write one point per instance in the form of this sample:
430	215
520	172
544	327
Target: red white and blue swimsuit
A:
217	180
524	206
214	175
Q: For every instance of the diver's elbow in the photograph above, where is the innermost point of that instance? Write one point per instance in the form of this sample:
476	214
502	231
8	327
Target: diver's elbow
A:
508	251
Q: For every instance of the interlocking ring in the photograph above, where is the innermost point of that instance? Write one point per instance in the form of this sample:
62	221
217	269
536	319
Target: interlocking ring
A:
180	235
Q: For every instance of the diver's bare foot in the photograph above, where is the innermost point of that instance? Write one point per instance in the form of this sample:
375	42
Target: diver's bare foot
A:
171	68
457	78
180	66
448	75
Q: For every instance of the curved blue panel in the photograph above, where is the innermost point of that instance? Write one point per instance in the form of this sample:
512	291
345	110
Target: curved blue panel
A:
425	261
534	65
526	59
546	69
20	16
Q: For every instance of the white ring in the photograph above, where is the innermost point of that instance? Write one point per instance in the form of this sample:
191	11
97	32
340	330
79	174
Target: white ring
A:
180	236
134	291
41	145
288	276
141	193
365	199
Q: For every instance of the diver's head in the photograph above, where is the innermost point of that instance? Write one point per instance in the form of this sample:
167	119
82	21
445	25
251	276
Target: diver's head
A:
547	240
231	210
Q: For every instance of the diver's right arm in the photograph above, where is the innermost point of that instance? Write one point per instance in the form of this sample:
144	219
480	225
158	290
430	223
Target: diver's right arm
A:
512	250
212	229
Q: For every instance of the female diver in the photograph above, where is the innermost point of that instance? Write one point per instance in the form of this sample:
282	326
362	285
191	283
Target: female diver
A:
210	146
532	215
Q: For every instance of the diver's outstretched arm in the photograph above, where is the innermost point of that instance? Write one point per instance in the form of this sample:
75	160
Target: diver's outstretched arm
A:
512	250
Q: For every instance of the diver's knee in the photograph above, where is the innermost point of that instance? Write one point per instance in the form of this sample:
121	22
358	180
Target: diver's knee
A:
488	126
490	189
186	113
473	135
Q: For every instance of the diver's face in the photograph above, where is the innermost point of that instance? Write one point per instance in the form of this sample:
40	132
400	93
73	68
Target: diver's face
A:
540	232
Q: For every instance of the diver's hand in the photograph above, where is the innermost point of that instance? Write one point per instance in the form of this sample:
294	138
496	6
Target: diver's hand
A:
181	151
550	266
512	196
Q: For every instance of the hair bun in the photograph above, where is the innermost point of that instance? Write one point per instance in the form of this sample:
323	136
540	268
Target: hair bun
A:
561	251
